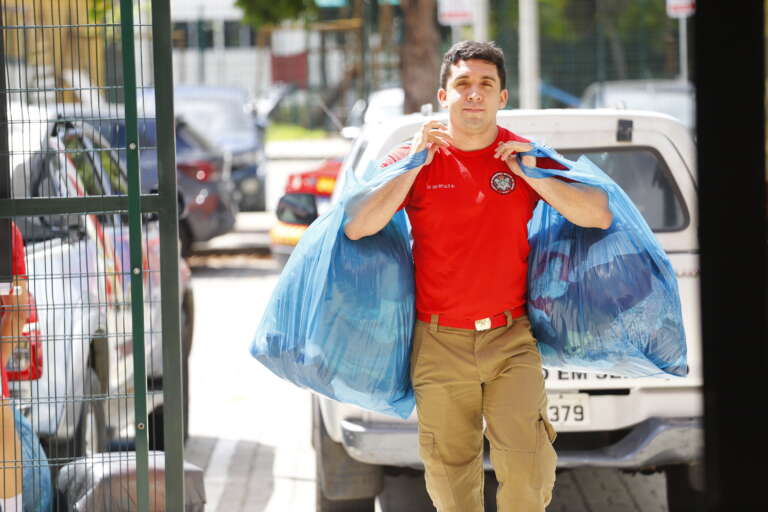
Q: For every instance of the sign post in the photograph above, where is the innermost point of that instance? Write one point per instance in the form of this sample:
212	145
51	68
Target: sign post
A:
682	10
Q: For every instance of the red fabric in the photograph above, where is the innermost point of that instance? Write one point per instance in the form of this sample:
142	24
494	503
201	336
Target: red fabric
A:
19	269
470	246
18	265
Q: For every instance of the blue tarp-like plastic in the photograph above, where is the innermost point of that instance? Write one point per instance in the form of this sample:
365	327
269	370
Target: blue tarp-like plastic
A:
602	300
340	319
37	492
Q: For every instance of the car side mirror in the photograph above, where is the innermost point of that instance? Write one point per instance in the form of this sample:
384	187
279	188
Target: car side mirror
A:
297	209
350	132
183	208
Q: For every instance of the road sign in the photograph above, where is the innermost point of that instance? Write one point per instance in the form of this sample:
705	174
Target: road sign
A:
680	8
455	12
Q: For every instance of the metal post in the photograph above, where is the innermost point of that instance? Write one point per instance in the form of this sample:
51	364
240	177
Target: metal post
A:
682	24
480	28
169	257
200	46
134	230
5	168
529	54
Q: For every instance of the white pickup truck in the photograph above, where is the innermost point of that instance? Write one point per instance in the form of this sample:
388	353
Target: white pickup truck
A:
645	424
79	396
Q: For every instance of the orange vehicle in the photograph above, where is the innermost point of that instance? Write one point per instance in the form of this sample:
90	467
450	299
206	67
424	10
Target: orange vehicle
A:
307	195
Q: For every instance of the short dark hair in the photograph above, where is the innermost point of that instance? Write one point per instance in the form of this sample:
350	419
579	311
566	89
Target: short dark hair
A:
466	50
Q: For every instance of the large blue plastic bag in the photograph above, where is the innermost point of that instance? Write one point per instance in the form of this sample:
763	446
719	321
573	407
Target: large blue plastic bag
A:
602	300
341	317
37	491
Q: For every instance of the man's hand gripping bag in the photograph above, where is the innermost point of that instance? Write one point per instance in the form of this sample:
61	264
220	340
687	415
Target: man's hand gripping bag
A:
602	300
340	319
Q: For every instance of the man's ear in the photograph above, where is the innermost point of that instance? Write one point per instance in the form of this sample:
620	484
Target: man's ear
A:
442	96
503	99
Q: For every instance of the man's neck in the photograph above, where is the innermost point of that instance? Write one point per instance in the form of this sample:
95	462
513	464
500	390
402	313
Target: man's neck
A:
465	141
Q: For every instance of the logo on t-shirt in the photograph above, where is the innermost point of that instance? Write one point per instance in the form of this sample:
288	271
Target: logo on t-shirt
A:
503	182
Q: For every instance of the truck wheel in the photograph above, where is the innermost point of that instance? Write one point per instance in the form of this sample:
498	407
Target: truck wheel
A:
187	331
91	433
323	504
685	489
185	239
156	418
343	484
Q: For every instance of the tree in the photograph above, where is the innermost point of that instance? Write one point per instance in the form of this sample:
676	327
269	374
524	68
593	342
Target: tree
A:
272	12
419	59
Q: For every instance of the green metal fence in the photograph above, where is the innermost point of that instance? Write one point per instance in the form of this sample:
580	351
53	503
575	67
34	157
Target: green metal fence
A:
92	338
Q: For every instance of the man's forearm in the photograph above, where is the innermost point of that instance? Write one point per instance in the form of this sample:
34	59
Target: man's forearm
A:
373	213
581	204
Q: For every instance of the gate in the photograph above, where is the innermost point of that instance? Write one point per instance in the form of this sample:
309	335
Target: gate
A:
93	305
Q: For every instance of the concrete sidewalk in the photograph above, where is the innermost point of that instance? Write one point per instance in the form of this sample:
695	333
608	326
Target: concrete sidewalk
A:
249	236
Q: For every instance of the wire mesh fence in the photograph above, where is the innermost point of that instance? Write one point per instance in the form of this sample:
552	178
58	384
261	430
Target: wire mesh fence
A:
92	356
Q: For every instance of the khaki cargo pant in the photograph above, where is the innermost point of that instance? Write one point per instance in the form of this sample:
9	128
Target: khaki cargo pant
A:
462	377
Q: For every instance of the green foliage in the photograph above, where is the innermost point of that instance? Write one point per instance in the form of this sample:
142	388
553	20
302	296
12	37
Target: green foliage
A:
284	131
271	12
99	11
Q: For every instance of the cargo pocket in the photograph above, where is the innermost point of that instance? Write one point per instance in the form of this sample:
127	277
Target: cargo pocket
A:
435	474
545	460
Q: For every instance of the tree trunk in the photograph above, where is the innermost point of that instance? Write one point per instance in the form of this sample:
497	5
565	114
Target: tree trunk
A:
419	59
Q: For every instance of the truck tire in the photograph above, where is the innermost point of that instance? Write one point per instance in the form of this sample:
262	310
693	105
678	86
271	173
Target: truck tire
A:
343	484
187	331
157	416
685	489
323	504
91	433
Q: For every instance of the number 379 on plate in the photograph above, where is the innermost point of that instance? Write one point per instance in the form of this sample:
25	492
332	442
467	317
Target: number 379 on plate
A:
568	409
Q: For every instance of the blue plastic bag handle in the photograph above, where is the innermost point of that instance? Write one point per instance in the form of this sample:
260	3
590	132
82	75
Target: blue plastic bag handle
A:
543	151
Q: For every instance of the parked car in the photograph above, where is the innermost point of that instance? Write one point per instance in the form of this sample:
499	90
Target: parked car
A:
380	105
672	97
77	267
307	196
225	116
203	176
644	424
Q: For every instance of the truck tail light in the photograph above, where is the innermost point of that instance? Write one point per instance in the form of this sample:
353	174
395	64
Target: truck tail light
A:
202	170
26	361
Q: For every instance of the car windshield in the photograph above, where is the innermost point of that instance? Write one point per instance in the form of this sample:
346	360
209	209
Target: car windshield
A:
213	116
677	105
114	131
645	177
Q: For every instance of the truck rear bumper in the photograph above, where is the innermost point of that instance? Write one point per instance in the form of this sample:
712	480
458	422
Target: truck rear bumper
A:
653	442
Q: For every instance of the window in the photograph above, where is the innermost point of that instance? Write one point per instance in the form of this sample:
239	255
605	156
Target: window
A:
180	36
238	35
645	177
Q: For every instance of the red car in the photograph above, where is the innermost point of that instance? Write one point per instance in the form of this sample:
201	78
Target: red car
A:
307	195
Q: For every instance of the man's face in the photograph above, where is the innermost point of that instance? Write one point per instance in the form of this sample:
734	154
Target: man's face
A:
472	96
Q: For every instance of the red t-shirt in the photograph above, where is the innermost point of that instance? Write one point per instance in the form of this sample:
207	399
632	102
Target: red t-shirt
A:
469	215
19	269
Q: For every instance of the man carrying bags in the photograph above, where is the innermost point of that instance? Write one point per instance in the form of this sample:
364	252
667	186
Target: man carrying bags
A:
474	358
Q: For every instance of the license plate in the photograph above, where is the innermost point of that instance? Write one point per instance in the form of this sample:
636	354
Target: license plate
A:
568	409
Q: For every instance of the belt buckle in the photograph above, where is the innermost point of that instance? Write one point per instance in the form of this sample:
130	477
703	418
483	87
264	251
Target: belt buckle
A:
483	324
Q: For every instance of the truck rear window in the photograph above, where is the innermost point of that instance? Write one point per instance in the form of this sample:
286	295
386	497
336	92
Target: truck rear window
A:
645	177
